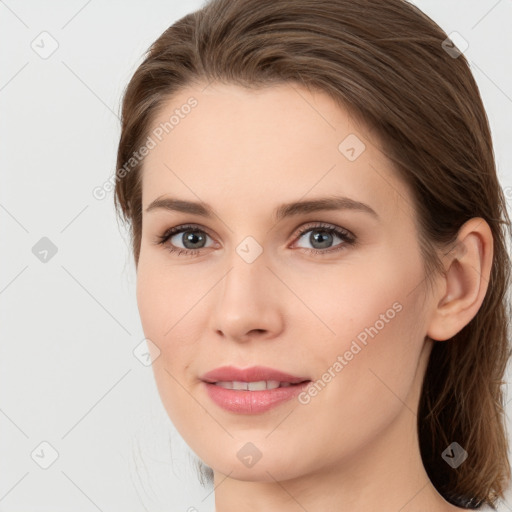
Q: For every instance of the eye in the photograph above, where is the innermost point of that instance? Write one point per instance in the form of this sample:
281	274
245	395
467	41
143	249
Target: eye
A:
192	237
323	236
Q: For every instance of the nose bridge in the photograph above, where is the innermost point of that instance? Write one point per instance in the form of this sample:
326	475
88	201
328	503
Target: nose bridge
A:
245	302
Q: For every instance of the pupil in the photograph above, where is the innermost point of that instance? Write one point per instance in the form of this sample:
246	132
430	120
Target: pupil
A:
324	239
192	238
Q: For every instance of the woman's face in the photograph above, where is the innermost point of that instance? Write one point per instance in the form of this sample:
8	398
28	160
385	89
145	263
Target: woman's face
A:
332	294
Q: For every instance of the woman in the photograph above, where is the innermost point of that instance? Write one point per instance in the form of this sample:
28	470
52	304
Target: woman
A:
320	242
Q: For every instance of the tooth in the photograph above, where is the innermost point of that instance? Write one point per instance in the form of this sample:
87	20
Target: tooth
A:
227	385
253	386
257	386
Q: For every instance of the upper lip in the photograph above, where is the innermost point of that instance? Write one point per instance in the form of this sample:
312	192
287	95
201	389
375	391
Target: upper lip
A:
252	374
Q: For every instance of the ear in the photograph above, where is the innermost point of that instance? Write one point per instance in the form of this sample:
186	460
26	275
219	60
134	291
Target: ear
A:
462	290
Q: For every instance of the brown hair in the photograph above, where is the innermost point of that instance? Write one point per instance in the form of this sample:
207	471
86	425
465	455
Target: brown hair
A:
389	65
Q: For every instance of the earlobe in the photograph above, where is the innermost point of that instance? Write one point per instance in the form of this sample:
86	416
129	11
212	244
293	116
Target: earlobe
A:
462	290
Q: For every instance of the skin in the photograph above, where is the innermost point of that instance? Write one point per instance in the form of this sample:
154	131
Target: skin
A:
354	446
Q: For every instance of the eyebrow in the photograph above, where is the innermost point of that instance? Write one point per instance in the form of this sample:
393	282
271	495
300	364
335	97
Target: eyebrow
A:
284	210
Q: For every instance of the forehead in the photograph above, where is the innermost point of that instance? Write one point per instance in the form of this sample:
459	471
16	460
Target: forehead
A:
238	146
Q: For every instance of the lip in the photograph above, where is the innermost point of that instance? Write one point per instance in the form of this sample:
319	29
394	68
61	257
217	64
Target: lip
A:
251	402
252	374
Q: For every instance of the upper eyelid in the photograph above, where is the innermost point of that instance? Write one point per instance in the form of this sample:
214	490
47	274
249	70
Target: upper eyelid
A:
319	225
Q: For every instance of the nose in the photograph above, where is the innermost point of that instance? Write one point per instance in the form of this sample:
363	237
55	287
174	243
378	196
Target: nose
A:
248	302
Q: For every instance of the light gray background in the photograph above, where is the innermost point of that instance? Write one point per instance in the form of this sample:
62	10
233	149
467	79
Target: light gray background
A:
69	326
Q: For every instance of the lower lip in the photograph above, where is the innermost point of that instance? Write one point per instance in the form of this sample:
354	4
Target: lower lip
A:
252	402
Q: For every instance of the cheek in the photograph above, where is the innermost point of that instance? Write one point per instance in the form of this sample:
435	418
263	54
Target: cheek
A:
369	373
162	309
164	298
349	300
377	321
150	301
168	307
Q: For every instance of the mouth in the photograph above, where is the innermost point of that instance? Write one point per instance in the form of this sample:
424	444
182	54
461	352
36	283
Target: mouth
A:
254	390
260	385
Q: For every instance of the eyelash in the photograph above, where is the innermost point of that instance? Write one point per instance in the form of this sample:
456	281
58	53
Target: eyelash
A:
348	239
